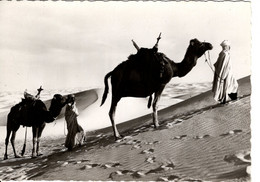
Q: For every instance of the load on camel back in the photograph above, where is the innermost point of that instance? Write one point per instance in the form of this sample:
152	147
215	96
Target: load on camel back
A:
146	73
148	61
28	102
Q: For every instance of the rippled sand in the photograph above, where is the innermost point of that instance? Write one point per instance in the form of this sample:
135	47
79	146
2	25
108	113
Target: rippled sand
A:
198	140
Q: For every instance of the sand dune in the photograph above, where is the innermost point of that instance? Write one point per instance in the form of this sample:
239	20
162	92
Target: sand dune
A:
198	140
88	103
84	99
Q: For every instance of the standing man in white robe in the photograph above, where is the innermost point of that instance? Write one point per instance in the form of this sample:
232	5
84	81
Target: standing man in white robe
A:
75	134
224	84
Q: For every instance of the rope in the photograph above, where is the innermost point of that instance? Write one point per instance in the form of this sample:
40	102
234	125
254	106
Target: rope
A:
25	134
211	67
64	128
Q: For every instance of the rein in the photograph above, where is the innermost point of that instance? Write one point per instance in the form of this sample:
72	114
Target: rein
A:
65	128
211	66
208	61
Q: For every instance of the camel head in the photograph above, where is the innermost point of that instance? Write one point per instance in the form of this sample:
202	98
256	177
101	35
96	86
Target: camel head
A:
199	48
57	103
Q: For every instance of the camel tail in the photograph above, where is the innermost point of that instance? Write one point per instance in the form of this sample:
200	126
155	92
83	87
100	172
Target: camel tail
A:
106	88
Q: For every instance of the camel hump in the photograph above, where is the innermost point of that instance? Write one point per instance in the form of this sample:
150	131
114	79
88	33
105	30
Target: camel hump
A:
28	110
145	57
151	59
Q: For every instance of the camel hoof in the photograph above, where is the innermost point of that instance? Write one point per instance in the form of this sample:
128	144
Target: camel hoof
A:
34	156
120	137
156	126
18	156
5	157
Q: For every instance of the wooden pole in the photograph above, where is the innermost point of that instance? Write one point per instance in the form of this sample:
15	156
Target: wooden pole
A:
135	45
39	92
158	39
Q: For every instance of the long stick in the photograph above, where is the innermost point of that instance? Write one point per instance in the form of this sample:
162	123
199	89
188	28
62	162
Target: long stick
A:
24	145
136	46
39	92
156	44
158	38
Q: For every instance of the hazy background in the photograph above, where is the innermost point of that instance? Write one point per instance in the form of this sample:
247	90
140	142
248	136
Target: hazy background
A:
65	45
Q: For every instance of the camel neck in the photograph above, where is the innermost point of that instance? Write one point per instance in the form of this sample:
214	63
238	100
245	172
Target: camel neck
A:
184	67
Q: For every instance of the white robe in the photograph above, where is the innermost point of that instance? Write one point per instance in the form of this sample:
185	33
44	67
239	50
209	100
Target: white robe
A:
75	134
224	81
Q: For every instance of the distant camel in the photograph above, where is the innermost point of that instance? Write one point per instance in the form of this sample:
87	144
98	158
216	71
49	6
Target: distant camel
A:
139	76
35	114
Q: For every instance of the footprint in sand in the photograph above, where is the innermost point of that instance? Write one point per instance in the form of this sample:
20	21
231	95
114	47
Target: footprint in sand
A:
138	146
80	161
170	125
161	168
64	164
175	122
178	121
147	151
134	174
123	139
138	174
200	137
152	143
240	158
179	137
106	166
139	130
150	160
162	179
232	132
169	178
88	166
110	165
120	173
133	142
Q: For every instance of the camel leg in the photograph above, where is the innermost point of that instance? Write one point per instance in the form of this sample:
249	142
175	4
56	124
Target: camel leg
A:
35	133
39	139
6	143
157	96
112	117
13	144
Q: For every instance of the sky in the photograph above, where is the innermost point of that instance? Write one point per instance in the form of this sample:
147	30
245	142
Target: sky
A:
74	44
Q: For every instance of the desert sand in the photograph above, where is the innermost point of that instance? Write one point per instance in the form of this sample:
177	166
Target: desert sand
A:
198	140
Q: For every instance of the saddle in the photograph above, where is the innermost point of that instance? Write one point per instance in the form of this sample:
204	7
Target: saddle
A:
151	58
27	103
23	114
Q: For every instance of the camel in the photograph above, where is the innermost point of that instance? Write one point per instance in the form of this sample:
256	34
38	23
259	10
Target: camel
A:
32	114
139	76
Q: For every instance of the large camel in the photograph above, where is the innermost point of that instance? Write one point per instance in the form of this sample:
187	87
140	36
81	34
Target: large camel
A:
32	114
139	76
